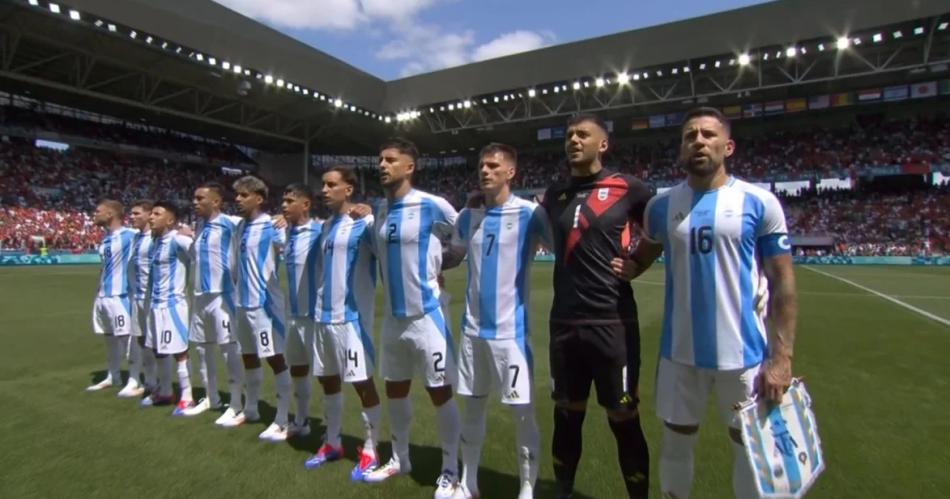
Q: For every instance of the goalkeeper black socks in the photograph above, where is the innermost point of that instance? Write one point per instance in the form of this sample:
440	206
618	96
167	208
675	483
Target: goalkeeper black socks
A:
633	455
566	448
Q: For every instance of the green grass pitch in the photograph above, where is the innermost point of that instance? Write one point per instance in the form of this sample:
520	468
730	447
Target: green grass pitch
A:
879	375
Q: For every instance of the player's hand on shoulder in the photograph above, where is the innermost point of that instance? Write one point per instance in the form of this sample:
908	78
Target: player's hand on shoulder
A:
186	230
625	268
360	210
279	222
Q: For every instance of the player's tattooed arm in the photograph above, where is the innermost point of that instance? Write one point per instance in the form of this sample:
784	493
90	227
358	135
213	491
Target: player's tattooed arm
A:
776	373
638	261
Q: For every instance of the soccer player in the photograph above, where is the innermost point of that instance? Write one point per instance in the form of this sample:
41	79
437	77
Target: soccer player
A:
344	314
111	310
720	235
168	307
495	353
595	337
213	306
260	306
140	358
301	256
414	338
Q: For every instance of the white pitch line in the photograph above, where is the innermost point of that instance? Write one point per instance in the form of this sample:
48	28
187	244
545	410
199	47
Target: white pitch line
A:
912	308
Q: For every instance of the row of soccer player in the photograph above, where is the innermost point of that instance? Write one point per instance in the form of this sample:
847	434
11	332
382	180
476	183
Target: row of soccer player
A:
719	234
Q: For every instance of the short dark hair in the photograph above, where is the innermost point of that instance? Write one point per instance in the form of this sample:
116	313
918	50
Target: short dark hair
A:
498	147
113	205
402	145
169	206
587	117
214	187
253	184
145	204
707	111
299	190
347	174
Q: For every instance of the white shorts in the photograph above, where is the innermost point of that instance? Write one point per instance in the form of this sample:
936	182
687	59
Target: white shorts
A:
344	350
139	318
682	390
300	332
418	345
503	365
167	333
112	315
259	332
211	318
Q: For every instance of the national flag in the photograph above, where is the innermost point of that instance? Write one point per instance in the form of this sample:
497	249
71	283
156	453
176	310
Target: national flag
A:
895	93
640	124
774	107
819	102
842	99
752	110
796	105
675	119
658	121
922	90
544	134
870	94
732	112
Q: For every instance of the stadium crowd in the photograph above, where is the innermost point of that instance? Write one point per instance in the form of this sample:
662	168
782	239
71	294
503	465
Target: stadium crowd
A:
50	194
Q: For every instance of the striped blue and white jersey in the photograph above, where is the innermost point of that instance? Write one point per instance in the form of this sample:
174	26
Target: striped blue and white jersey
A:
409	237
168	271
140	263
115	251
214	255
301	256
714	244
260	245
501	243
347	287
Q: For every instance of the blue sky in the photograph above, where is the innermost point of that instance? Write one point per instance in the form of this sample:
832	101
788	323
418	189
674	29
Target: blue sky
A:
397	38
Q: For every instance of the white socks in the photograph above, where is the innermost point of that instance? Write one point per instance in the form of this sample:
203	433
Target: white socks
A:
528	442
302	396
676	463
114	352
208	370
184	379
135	361
473	434
448	418
333	412
283	397
232	359
371	425
254	378
400	415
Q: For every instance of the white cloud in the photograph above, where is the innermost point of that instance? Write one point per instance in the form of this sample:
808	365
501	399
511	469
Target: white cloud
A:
429	48
512	43
326	14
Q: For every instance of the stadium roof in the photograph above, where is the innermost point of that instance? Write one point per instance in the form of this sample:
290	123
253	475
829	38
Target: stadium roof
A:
268	90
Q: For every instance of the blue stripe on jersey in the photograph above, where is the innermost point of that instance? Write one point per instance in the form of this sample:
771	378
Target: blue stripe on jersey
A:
126	303
525	348
488	277
659	226
702	274
312	251
292	269
263	247
172	270
228	302
107	267
126	238
326	316
136	247
227	228
439	321
527	231
352	253
366	341
204	265
243	290
753	348
397	291
179	324
779	427
154	274
426	219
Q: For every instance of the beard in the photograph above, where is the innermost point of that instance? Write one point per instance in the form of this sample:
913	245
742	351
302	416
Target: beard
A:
702	168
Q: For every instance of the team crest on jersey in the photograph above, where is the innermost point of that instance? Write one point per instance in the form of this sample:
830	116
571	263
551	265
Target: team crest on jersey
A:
411	215
509	225
603	194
